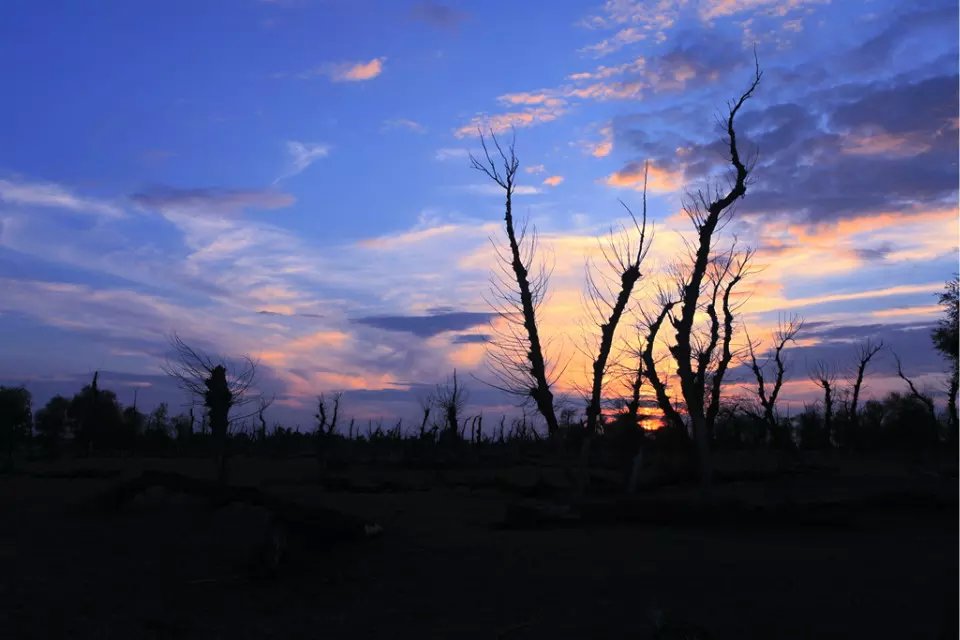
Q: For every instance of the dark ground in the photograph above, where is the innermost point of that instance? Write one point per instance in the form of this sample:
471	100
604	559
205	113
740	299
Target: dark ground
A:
167	566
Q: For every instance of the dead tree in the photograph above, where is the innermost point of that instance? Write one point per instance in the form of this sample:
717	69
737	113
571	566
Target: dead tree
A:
220	385
623	256
926	400
787	330
327	425
426	403
866	352
636	385
691	354
517	354
825	377
262	405
452	400
652	325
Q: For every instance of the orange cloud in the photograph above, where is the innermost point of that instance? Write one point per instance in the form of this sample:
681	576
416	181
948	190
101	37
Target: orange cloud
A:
553	181
660	180
358	71
899	312
505	121
603	148
711	9
610	91
531	98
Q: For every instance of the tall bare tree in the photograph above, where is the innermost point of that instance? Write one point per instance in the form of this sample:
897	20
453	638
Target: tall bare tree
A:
220	386
865	354
517	354
693	356
787	330
825	376
609	293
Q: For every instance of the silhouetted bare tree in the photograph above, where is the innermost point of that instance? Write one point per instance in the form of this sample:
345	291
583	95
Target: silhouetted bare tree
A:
608	294
221	386
426	402
865	354
327	425
787	330
922	397
825	376
262	405
452	400
648	362
517	353
692	352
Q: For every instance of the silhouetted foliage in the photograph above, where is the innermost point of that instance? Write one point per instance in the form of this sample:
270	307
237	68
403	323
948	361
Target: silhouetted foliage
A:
16	419
896	421
96	419
51	423
946	339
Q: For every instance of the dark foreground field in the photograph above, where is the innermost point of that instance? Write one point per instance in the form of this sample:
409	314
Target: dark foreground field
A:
870	550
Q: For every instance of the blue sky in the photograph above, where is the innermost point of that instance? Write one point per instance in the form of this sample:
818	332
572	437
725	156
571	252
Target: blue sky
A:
289	178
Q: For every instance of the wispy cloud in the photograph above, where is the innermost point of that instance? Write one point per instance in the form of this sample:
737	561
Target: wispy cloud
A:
451	153
211	201
403	123
302	155
490	189
51	195
553	181
614	43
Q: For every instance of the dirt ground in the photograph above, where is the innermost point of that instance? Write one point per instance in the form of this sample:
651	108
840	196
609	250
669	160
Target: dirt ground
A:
168	566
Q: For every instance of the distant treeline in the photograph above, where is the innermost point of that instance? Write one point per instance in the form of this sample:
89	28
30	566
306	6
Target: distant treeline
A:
93	422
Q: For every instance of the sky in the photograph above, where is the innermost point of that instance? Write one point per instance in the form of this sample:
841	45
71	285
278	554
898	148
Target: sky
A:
289	179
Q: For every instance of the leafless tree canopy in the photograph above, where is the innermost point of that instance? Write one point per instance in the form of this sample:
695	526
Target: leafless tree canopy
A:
866	352
825	376
767	394
518	289
702	357
191	368
452	399
219	385
608	292
327	424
